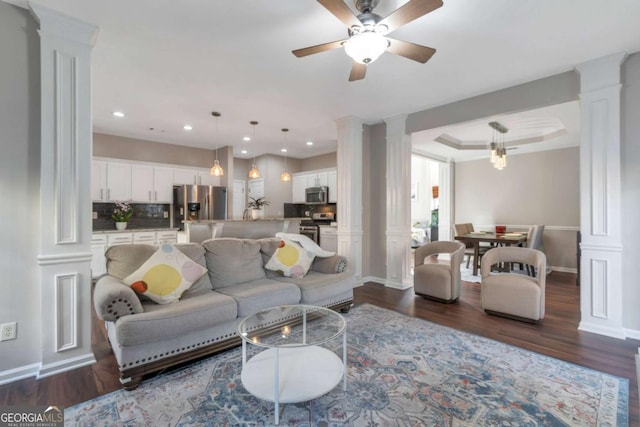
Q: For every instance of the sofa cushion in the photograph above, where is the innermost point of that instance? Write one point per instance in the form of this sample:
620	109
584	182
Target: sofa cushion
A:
263	293
165	275
232	261
316	287
290	259
122	260
195	311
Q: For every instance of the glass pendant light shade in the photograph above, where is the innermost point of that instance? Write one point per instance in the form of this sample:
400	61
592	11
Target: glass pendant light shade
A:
285	176
254	172
366	46
216	170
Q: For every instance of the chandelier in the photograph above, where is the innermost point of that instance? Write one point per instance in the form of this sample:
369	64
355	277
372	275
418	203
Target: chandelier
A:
498	154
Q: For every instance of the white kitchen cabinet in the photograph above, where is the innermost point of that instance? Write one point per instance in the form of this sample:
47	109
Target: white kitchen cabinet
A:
298	186
317	179
118	181
98	180
163	184
205	178
170	236
119	239
332	183
329	238
98	260
144	237
184	176
151	184
142	183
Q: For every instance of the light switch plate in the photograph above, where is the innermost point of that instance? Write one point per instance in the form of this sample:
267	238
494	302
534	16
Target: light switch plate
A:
165	214
95	215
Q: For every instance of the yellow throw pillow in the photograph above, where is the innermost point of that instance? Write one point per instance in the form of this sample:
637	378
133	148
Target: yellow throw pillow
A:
290	259
166	275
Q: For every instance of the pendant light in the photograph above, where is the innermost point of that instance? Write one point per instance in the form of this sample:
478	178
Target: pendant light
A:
254	172
216	169
285	176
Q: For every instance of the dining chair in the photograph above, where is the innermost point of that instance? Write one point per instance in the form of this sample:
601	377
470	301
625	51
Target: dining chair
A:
461	230
535	241
511	294
438	280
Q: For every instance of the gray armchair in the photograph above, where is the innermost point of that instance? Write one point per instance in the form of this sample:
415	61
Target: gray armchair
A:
438	279
510	294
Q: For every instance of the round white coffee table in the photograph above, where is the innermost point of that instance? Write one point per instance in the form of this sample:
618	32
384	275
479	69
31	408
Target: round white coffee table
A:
292	367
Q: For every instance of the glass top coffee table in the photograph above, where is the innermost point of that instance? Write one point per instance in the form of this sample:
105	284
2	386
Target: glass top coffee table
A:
292	367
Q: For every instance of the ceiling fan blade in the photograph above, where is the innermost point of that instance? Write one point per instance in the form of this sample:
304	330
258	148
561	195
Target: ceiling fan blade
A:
410	50
358	71
341	11
411	10
317	49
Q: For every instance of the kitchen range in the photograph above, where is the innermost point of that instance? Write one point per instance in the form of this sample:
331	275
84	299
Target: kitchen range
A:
311	228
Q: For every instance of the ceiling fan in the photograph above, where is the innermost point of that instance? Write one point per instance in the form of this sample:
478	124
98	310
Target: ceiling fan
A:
367	33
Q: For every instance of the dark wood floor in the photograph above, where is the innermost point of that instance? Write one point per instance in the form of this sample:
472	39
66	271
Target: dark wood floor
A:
555	336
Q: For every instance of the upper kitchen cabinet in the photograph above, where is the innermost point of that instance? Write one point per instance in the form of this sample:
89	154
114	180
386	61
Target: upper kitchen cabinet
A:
320	178
185	176
110	181
332	183
151	184
298	185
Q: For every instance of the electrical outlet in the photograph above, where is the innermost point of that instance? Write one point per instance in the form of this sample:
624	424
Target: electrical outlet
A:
165	214
8	331
95	215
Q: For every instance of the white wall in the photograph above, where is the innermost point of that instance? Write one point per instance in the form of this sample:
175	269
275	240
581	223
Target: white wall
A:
20	187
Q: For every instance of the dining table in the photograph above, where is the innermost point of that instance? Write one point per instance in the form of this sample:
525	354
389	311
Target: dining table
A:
500	239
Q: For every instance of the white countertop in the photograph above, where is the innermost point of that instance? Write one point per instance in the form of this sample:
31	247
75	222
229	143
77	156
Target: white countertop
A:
132	230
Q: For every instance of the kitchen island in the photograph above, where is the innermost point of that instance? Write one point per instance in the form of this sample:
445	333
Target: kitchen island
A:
199	231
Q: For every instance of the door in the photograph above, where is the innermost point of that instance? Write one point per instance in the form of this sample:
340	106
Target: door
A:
142	183
239	199
163	184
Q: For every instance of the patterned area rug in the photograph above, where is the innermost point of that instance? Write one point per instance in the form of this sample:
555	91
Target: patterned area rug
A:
402	372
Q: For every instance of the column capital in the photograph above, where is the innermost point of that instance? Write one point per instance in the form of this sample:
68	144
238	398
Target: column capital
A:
601	72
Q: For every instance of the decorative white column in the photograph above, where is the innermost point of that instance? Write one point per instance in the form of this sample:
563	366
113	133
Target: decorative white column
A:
350	191
398	204
65	201
445	202
600	211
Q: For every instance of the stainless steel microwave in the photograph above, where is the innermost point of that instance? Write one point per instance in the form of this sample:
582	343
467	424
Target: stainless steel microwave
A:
316	195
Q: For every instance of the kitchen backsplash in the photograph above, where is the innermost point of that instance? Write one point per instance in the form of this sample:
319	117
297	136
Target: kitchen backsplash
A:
145	215
298	210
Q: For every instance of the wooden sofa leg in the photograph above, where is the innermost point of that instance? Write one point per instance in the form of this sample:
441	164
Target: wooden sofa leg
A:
130	383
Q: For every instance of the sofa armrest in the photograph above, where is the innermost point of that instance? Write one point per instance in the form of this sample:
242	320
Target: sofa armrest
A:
113	299
329	265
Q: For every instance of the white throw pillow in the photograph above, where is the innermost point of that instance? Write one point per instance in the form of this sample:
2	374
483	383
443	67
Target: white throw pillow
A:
290	259
166	275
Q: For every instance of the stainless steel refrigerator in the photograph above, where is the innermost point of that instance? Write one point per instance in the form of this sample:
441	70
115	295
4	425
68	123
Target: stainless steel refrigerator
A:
198	203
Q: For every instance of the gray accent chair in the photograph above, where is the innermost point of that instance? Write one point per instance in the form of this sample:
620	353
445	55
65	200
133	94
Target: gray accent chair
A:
535	241
438	279
513	295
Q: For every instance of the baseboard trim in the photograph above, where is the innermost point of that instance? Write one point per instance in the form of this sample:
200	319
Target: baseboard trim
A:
564	269
372	279
597	329
66	365
633	334
20	373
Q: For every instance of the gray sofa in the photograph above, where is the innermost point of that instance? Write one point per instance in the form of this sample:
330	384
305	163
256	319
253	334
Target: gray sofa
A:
147	337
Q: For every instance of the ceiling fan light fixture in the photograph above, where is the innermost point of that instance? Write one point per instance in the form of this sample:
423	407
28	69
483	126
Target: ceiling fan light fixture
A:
366	47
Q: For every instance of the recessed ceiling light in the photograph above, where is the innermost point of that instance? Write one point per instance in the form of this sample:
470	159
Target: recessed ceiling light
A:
243	152
246	138
118	114
283	150
187	127
309	142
